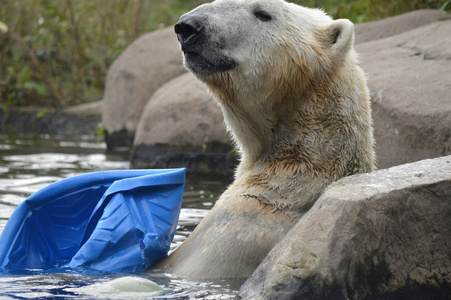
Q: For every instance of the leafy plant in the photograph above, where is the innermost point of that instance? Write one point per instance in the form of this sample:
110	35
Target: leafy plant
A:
57	52
41	113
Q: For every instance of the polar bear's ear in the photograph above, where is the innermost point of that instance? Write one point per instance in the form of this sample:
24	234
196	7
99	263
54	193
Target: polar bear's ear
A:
341	33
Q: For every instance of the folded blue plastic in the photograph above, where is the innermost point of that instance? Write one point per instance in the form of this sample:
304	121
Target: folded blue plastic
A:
113	221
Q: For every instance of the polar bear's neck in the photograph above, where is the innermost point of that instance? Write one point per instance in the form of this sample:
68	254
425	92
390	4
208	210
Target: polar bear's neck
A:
252	116
251	128
248	116
269	123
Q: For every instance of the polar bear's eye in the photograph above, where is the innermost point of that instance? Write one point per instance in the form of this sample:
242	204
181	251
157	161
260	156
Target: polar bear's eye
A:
262	15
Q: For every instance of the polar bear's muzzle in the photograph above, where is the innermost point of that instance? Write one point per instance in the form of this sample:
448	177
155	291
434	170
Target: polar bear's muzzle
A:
203	51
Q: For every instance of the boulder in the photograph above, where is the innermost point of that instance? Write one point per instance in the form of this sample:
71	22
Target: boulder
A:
371	31
181	126
382	235
410	82
135	75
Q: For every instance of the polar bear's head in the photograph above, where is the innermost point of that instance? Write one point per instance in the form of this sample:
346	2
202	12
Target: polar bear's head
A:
262	41
263	59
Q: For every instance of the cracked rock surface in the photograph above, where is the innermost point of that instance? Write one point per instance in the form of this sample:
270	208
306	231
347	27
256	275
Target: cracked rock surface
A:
410	82
382	235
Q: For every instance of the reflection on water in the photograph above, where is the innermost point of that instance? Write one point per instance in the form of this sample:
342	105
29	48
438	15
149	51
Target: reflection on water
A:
29	163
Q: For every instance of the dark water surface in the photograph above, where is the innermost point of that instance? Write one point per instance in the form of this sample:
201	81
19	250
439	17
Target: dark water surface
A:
29	163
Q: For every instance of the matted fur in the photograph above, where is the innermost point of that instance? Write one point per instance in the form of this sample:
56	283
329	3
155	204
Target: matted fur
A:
298	109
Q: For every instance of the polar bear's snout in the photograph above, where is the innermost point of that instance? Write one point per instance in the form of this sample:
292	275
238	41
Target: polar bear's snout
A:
202	46
188	28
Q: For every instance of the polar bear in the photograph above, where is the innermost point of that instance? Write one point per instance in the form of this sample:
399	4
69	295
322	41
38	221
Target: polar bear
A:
297	104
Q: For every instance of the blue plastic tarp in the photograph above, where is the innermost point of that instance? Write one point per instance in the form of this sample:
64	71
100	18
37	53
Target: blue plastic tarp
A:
113	221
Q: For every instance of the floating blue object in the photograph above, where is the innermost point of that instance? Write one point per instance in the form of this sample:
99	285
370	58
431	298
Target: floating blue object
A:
114	221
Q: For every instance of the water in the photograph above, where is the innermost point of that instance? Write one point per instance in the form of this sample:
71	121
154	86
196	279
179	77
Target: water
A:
29	163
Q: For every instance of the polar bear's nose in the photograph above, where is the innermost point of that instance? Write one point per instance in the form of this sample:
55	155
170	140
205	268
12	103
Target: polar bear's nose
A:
188	27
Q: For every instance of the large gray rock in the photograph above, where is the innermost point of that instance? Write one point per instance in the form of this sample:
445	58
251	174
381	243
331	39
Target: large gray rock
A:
384	28
383	235
182	126
410	82
135	75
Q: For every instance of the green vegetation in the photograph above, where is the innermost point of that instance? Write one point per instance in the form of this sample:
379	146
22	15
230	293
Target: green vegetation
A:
55	53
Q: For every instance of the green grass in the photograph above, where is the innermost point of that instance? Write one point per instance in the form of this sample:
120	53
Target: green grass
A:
57	52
